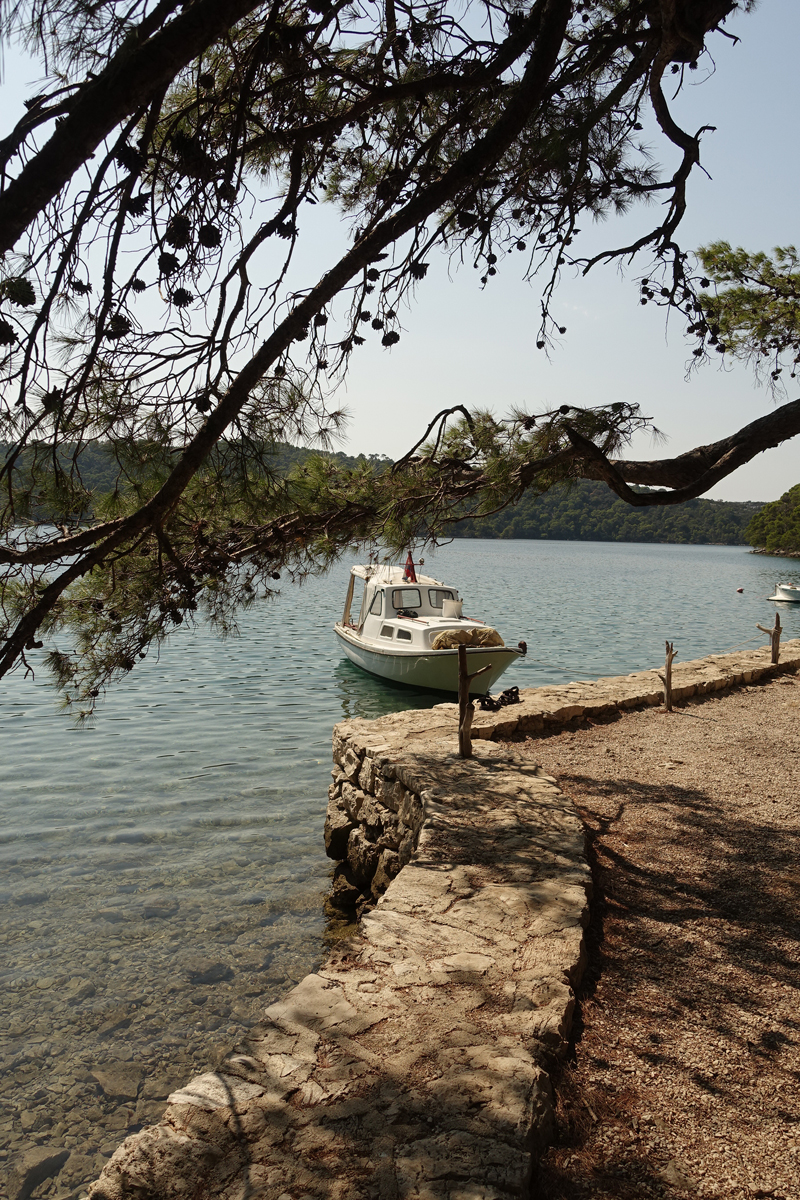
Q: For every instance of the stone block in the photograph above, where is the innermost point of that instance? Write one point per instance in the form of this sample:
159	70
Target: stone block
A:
363	857
389	792
352	798
345	892
338	827
388	867
366	776
406	848
375	819
339	744
119	1081
351	763
32	1167
411	811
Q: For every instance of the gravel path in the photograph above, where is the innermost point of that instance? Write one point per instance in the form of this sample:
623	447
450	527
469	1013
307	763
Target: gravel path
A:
686	1075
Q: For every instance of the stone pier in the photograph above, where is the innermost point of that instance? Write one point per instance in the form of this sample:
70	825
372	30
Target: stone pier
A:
416	1063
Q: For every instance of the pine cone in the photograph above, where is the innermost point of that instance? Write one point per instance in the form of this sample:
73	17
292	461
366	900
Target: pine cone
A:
179	231
167	263
130	158
137	205
117	327
18	291
209	236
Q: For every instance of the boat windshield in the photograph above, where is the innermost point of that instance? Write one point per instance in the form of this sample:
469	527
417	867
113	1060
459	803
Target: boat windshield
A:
406	598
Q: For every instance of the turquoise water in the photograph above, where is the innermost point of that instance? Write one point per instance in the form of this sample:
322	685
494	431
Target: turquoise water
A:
180	835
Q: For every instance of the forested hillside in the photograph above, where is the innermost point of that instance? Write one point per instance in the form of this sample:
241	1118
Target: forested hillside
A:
590	512
99	473
586	511
777	525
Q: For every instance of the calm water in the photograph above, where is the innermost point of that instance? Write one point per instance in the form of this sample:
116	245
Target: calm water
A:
162	871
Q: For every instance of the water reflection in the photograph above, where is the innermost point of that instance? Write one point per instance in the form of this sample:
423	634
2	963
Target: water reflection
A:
368	697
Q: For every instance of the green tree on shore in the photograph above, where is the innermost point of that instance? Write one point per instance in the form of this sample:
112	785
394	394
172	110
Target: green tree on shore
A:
777	525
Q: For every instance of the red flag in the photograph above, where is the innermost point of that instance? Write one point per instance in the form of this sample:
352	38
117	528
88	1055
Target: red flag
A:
410	575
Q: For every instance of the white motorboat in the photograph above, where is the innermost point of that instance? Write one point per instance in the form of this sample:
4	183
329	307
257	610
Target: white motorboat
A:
786	591
409	627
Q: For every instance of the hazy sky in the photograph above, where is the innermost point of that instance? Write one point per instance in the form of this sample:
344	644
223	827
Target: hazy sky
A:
464	345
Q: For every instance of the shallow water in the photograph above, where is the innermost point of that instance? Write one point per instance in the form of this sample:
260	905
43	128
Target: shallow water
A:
162	871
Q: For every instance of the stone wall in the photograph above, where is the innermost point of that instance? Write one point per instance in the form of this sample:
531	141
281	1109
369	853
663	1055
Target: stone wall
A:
373	820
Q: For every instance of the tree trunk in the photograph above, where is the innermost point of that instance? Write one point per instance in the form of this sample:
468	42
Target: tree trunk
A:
465	706
666	678
774	636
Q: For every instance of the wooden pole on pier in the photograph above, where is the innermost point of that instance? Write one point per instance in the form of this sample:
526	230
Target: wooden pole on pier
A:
666	678
466	708
774	636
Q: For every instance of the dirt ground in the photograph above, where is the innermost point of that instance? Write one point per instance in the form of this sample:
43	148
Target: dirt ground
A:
685	1077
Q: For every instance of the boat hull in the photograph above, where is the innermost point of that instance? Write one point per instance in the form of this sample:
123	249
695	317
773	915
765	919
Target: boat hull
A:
435	670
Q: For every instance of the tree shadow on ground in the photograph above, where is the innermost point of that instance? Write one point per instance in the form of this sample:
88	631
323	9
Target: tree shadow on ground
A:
696	911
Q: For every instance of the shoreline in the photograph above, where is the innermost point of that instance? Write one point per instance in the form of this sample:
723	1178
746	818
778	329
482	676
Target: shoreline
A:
775	553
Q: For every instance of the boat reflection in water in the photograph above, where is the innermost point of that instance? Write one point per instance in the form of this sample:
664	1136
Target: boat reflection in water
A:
368	697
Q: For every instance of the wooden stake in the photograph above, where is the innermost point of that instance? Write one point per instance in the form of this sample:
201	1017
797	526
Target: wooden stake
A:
774	636
466	708
666	678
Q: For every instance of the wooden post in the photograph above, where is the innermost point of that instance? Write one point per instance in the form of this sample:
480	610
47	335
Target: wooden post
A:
666	678
774	636
466	708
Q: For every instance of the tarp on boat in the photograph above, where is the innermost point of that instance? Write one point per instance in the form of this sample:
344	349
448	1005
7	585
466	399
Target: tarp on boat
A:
448	639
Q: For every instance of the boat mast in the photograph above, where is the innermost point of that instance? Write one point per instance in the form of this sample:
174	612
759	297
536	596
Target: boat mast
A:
349	600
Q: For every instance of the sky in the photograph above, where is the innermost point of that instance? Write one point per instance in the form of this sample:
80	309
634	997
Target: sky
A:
464	345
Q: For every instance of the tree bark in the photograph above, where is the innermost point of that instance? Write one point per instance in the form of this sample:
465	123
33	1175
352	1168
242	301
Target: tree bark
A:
465	707
774	636
693	473
666	678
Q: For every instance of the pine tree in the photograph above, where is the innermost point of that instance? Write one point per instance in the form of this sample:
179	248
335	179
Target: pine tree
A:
151	199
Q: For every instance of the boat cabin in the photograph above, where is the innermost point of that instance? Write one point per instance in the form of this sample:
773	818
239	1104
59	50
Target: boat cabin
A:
393	610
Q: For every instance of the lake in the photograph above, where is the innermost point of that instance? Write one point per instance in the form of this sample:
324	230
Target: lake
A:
162	870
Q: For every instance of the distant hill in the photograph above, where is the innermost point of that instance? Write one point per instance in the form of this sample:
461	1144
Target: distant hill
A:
590	512
776	527
586	511
100	473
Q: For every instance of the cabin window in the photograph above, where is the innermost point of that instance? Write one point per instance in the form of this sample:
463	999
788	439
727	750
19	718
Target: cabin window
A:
436	596
377	604
403	635
387	631
406	598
